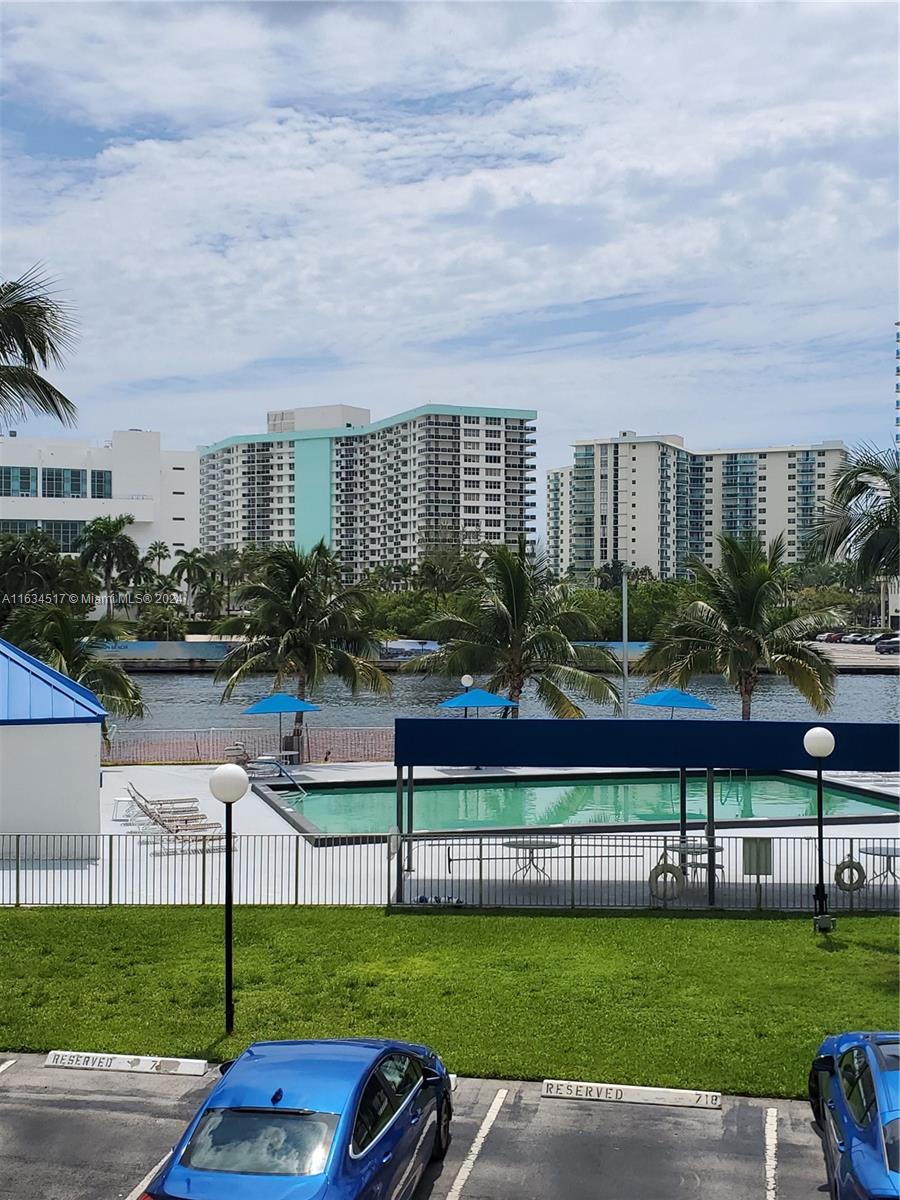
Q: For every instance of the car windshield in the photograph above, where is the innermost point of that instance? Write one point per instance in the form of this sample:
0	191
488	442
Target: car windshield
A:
260	1142
892	1144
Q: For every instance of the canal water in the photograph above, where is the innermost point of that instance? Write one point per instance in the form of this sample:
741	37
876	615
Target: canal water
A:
182	701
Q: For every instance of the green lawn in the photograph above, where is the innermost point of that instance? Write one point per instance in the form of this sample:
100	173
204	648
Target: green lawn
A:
735	1004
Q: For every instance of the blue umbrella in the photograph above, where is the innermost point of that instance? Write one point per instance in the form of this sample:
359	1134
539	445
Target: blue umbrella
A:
673	698
477	698
280	703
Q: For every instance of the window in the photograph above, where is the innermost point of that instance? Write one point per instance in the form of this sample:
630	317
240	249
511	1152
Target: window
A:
101	485
63	482
18	481
493	421
178	493
402	1074
64	533
253	1142
492	458
856	1080
178	468
182	518
17	527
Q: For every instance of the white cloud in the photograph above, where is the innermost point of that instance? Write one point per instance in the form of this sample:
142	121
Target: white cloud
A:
368	183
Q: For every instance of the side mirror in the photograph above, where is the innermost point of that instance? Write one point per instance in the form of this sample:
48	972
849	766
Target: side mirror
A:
226	1066
432	1078
825	1063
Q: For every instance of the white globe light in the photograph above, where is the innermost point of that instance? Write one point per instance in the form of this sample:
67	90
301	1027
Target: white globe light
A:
818	742
228	783
467	681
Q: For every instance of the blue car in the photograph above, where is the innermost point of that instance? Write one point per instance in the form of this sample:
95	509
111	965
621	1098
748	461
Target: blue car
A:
854	1090
315	1120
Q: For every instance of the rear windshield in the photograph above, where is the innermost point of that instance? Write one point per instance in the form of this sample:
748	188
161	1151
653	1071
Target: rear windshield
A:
889	1055
258	1142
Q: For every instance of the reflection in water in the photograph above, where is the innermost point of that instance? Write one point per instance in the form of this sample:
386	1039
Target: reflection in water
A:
606	801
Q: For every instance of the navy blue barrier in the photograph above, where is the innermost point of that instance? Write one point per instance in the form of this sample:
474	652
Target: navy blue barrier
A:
739	745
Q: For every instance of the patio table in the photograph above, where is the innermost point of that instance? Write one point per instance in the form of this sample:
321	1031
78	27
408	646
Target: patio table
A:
693	853
527	851
887	851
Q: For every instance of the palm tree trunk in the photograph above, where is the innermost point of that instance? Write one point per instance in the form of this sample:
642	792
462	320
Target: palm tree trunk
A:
107	583
746	698
515	694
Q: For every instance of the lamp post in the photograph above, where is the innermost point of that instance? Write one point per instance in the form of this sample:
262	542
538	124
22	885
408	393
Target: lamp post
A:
818	743
467	682
625	639
228	784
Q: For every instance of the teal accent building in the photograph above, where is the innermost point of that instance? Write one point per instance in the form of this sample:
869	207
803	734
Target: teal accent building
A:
380	493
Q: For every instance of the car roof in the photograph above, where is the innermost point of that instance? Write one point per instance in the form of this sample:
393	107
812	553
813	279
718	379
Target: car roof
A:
320	1075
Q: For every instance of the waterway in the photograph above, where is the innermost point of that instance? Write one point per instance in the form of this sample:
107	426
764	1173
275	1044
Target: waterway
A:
182	701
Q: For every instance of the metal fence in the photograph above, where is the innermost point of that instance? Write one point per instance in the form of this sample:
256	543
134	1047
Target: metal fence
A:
132	747
556	871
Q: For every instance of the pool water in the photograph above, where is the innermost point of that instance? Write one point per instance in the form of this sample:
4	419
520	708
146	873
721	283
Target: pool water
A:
610	800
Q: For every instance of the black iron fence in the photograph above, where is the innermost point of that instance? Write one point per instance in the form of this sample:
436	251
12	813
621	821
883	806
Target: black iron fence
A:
512	870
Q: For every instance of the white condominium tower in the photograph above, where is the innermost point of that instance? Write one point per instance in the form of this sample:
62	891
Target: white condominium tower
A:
57	484
378	492
650	502
559	517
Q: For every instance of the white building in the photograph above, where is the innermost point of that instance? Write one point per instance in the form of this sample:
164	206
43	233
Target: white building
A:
559	519
58	484
49	751
649	501
379	493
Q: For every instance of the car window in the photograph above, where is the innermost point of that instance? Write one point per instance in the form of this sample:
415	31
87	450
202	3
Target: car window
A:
892	1144
856	1081
374	1112
402	1073
862	1099
256	1142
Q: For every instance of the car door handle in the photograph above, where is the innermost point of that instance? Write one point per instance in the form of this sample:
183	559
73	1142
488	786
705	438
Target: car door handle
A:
386	1158
414	1116
829	1104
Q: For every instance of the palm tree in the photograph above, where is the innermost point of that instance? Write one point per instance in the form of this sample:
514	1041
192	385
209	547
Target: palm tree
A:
738	623
302	623
105	545
863	516
516	624
69	643
192	568
35	331
210	598
227	568
158	552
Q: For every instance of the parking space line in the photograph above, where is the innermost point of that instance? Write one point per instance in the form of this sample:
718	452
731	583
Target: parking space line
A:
474	1150
4	1066
771	1153
133	1195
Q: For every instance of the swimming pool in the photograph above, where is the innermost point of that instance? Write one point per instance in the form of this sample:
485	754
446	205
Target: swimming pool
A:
606	800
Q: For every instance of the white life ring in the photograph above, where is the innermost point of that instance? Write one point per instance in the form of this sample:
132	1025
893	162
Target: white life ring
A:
850	875
659	889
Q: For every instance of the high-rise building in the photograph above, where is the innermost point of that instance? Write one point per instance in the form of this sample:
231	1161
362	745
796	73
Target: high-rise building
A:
59	484
378	492
648	501
897	385
559	515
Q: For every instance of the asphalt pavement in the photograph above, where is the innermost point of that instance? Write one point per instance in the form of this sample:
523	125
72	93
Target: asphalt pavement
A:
84	1135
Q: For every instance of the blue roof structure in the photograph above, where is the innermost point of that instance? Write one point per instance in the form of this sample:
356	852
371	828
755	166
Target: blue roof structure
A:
31	693
477	698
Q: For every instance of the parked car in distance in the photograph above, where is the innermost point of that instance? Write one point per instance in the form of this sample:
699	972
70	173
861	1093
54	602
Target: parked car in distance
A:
315	1120
854	1091
822	637
834	637
889	645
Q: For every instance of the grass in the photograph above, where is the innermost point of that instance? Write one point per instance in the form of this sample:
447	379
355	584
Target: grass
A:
734	1004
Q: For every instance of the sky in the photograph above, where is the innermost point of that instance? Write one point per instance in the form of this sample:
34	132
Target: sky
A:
666	217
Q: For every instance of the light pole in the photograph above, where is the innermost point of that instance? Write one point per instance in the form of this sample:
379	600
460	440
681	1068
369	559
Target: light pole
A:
467	682
818	743
228	784
624	639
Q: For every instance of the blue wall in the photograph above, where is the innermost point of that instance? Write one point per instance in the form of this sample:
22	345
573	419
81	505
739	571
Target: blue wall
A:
750	745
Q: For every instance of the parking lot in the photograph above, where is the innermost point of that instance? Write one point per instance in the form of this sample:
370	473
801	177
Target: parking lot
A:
82	1135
